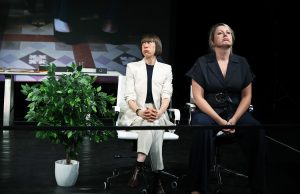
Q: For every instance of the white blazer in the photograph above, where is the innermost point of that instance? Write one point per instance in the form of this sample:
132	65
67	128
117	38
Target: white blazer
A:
136	88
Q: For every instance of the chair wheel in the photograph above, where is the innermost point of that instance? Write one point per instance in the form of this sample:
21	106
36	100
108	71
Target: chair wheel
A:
144	191
174	184
116	172
107	185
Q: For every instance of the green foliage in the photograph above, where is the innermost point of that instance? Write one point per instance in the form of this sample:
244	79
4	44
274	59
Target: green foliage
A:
68	100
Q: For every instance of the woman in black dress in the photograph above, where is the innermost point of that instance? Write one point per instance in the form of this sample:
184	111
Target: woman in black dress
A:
222	90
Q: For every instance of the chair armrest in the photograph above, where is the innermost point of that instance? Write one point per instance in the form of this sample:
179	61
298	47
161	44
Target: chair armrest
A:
175	115
128	135
251	108
170	135
132	135
117	110
191	106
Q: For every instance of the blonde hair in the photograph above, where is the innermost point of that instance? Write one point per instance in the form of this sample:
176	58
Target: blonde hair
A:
212	33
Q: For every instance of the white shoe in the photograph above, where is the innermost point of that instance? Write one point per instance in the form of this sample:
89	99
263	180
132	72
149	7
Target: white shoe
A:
61	26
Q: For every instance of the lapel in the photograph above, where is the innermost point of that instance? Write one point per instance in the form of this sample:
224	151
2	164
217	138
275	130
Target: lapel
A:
215	69
155	73
143	70
232	66
213	66
155	76
142	78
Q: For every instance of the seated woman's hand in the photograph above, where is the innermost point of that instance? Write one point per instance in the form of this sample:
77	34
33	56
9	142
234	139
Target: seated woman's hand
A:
229	130
149	114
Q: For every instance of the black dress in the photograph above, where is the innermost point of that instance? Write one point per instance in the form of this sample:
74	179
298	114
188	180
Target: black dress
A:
207	74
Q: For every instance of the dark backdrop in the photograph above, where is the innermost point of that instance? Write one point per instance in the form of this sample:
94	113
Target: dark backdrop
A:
258	38
183	27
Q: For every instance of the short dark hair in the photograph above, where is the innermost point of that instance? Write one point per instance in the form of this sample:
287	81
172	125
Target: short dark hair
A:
153	38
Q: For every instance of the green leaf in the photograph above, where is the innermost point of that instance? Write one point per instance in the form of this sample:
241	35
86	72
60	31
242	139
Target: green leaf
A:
65	101
69	134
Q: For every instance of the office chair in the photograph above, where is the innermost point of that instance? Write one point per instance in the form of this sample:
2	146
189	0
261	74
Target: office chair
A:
132	136
220	139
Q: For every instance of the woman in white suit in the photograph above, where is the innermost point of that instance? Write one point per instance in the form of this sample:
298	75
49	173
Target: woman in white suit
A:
148	92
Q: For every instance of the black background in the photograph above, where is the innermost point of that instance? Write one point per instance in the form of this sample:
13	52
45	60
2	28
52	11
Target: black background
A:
258	38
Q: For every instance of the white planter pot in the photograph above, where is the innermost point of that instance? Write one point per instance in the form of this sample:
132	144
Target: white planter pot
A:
66	175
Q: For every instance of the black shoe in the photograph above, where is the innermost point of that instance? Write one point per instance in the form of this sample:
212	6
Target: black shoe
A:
134	180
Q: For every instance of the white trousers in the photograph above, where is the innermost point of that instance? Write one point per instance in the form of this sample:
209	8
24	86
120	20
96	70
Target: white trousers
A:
150	142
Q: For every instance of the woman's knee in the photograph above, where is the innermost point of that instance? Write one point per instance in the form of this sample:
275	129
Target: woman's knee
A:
199	118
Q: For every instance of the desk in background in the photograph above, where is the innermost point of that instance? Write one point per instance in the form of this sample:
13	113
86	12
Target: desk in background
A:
8	105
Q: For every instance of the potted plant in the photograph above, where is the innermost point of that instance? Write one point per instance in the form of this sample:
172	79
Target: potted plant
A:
68	100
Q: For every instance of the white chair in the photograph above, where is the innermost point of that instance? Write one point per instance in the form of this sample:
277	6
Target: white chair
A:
132	136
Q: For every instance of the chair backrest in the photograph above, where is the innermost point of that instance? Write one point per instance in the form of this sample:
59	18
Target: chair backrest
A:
191	95
120	108
121	103
191	105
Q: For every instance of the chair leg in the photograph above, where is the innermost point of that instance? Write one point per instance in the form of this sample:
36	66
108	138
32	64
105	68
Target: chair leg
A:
107	182
174	183
232	172
169	175
217	169
157	187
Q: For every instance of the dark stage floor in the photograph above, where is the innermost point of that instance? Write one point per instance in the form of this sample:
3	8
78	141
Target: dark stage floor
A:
27	166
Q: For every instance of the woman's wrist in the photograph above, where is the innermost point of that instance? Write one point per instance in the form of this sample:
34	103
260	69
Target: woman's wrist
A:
137	111
161	112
